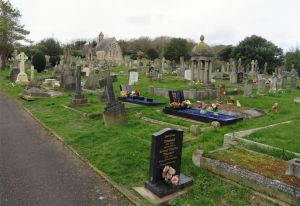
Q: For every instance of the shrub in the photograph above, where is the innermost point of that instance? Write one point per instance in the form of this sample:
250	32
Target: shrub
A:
54	60
39	61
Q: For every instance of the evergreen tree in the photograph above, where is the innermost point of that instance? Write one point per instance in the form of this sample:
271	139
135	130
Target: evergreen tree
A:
11	30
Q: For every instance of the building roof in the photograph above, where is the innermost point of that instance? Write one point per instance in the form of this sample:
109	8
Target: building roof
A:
202	49
104	44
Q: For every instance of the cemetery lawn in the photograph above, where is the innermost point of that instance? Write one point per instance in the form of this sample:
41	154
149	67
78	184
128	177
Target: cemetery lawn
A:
285	137
123	152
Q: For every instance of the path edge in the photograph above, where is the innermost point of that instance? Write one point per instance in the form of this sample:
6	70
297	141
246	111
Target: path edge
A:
126	193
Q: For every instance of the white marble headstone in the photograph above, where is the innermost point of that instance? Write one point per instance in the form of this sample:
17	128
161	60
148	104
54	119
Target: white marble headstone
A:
133	78
187	74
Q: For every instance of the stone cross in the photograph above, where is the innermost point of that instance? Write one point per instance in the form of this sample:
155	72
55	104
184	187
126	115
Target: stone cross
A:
252	65
239	64
266	68
108	84
22	58
78	74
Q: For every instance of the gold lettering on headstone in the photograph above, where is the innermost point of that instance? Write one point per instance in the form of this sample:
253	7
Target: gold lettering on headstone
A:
169	150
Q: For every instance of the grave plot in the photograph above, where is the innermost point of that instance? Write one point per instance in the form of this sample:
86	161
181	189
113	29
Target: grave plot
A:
134	96
273	177
181	107
277	176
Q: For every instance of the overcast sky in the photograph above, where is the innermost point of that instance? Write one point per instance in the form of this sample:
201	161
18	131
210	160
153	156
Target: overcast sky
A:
221	21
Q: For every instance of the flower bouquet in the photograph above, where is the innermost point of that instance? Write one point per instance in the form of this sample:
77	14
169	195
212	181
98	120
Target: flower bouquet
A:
135	93
169	176
214	107
123	93
202	106
186	104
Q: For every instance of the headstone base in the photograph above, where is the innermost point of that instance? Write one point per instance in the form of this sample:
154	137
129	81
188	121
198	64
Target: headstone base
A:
22	79
162	189
115	114
147	194
78	100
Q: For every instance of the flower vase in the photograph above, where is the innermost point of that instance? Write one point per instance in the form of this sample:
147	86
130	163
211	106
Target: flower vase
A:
216	113
203	111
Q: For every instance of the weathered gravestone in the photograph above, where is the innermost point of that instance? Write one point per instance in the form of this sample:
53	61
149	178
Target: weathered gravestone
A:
68	79
240	77
248	88
31	73
13	74
273	85
34	93
166	151
114	112
78	98
293	81
283	82
92	82
261	86
233	77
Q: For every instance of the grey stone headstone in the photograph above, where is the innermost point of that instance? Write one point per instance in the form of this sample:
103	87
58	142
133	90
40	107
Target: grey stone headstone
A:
248	88
261	87
293	82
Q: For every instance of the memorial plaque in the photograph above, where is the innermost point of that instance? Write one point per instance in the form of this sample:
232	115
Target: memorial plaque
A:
166	150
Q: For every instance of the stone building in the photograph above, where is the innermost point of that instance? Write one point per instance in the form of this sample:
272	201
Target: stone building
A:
107	49
202	56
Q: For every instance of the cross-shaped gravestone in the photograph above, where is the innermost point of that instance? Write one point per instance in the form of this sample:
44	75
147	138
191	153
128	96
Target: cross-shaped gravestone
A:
22	58
114	112
22	78
78	98
78	74
252	65
107	83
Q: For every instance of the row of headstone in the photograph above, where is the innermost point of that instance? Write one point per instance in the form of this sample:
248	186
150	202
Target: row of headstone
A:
261	84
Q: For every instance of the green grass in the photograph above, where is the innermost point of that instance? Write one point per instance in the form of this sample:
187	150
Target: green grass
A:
285	137
123	152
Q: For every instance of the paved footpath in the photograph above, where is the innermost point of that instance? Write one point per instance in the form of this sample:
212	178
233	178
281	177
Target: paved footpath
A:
37	170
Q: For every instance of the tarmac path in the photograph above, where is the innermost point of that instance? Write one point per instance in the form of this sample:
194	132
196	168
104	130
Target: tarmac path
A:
37	170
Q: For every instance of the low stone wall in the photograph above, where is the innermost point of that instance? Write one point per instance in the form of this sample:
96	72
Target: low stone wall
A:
192	93
236	138
259	183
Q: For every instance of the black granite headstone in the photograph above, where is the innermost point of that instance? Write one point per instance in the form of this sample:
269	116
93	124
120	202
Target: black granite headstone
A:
166	150
176	96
